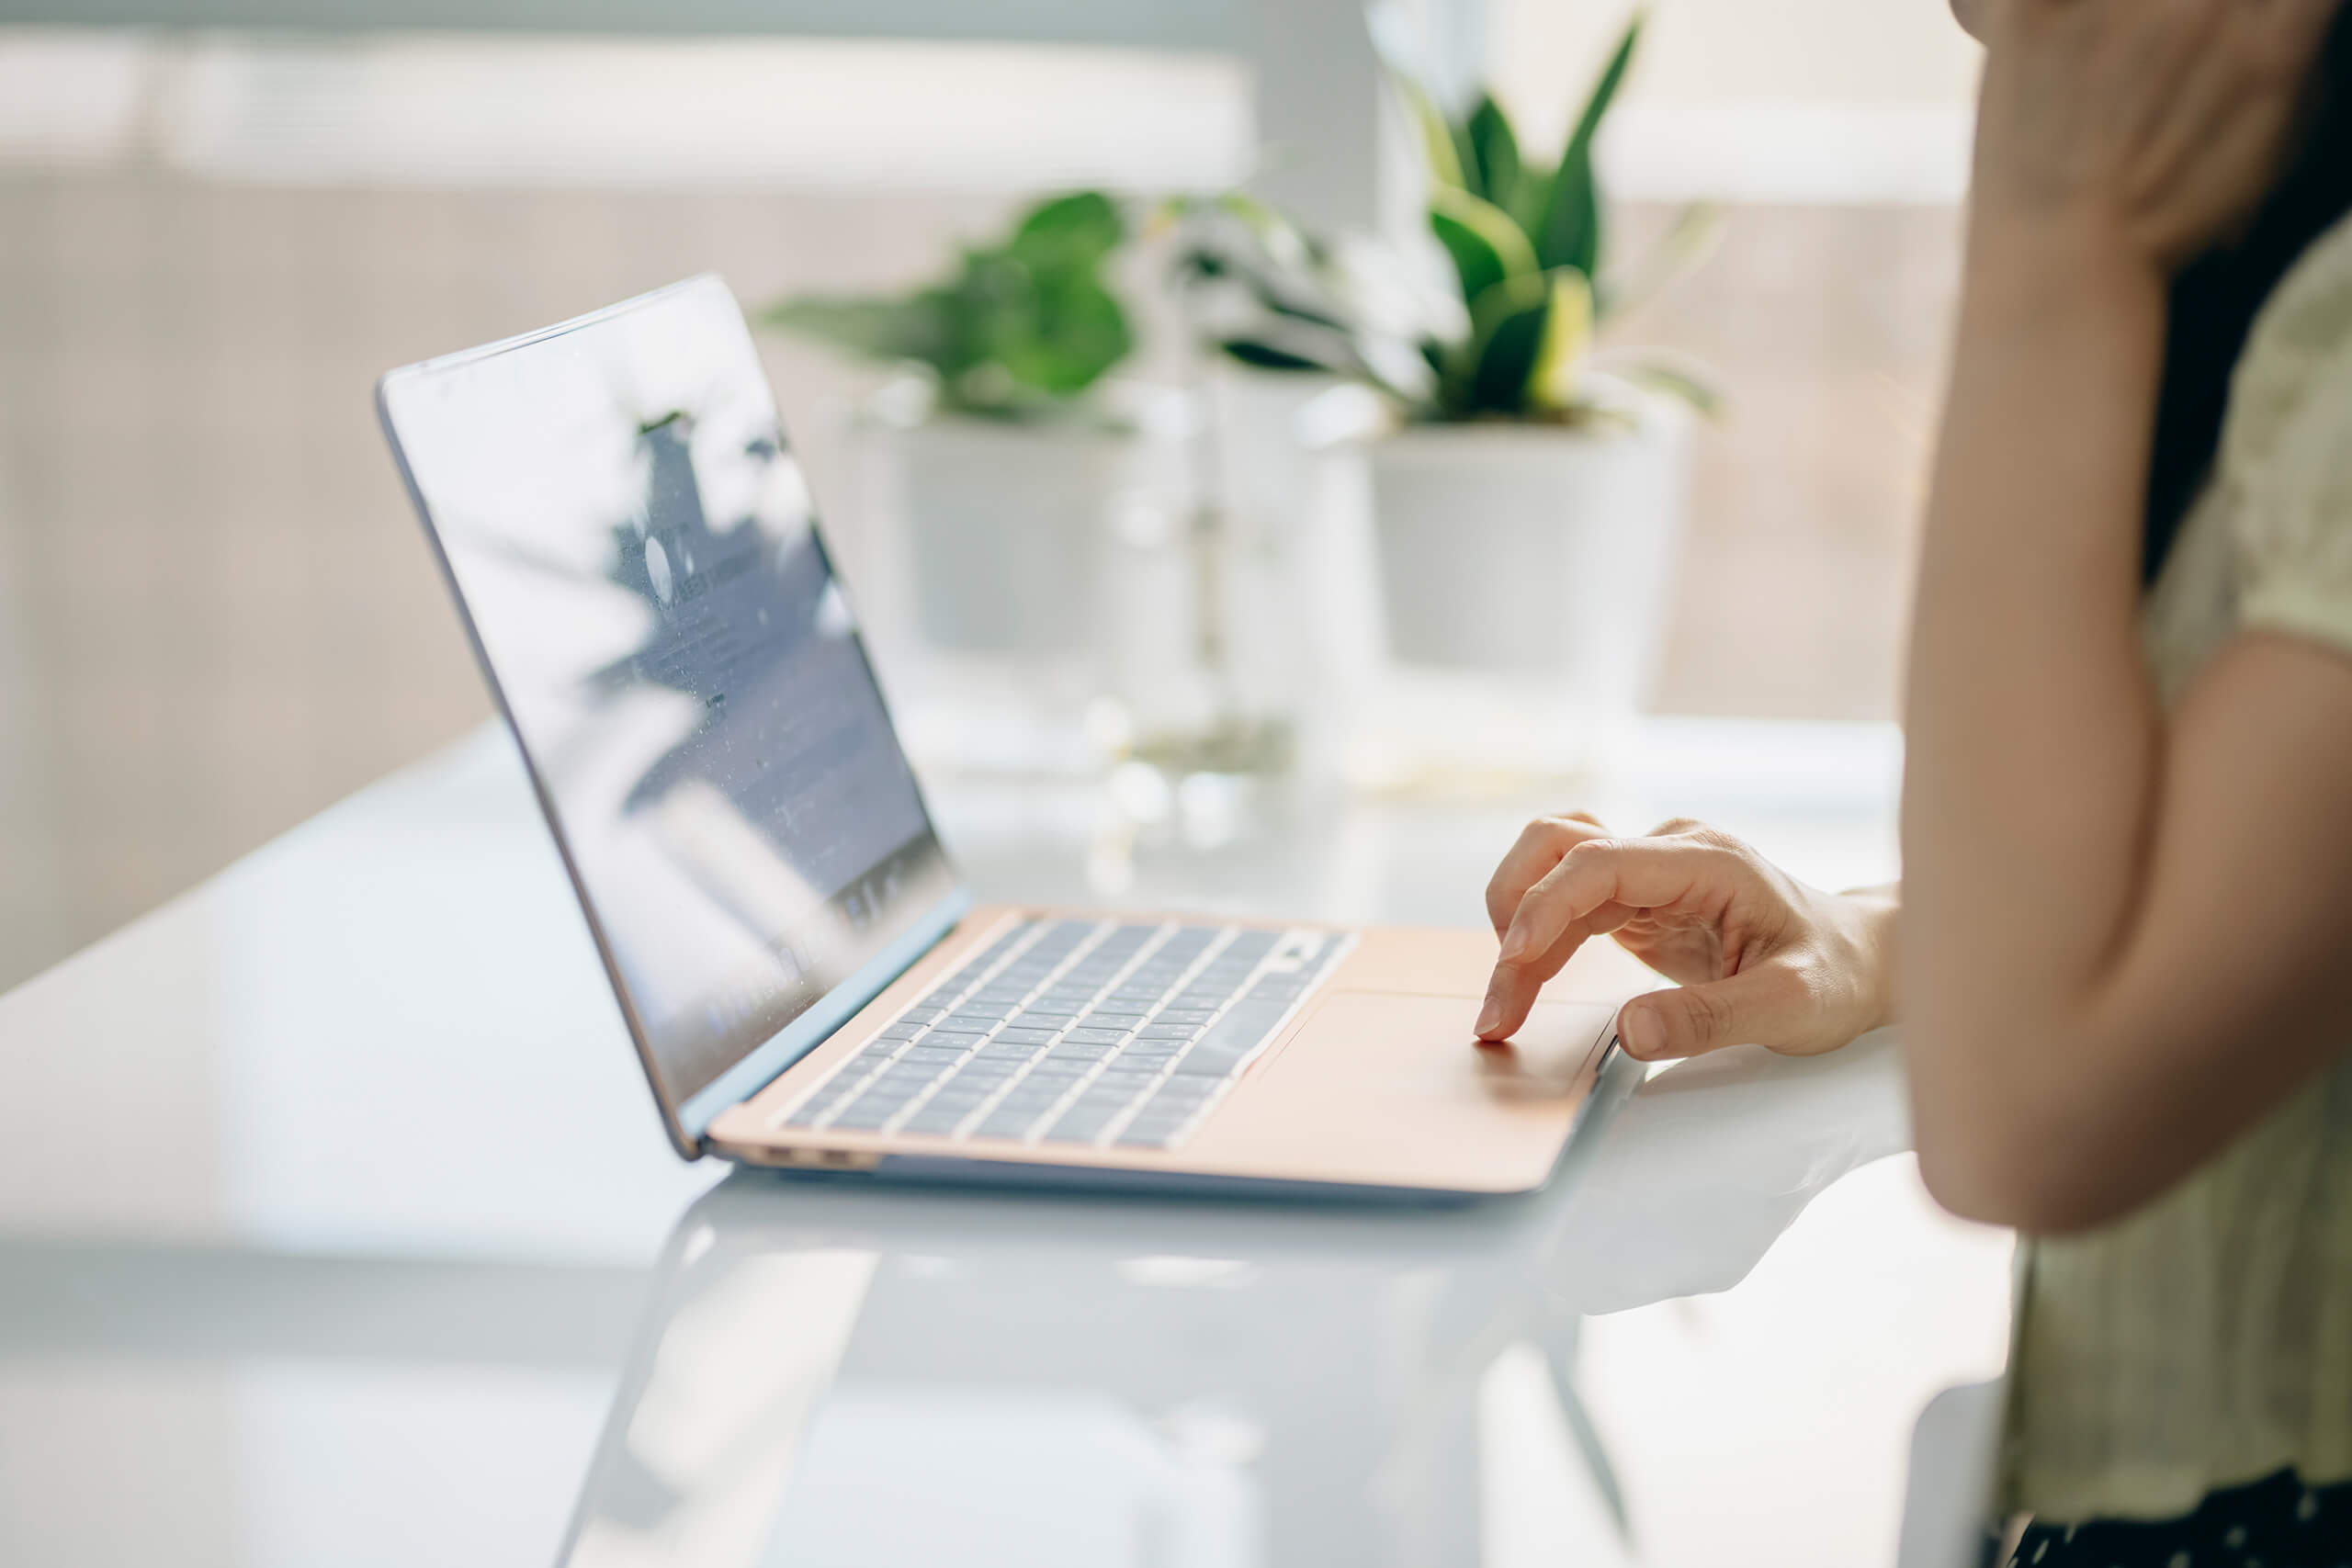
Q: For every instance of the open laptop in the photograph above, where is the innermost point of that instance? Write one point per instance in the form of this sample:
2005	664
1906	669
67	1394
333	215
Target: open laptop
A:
807	981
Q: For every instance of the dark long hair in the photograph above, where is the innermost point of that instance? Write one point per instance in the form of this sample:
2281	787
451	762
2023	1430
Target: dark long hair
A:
2216	299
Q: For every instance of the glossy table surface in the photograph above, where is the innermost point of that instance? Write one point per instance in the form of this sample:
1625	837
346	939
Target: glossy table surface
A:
337	1227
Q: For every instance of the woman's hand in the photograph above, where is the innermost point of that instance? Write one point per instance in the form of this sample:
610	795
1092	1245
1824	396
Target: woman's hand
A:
2152	125
1761	958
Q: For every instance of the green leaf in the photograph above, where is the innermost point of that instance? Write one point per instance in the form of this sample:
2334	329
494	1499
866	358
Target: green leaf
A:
1494	153
1264	357
1691	382
1075	334
1613	76
1465	156
1018	328
1437	138
1567	340
1508	350
873	328
1487	371
1070	231
1486	246
1570	232
1686	244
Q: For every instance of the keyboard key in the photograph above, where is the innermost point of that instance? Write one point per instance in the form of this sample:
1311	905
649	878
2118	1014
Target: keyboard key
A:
1060	1066
814	1110
864	1117
984	1068
1005	1122
1076	1128
901	1031
1184	1015
1091	1037
1235	1038
1023	1036
929	1057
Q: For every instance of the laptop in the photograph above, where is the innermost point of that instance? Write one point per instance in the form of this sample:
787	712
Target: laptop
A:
809	982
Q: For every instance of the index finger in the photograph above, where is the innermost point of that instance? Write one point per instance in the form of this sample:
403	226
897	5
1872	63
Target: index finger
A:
1641	874
1541	845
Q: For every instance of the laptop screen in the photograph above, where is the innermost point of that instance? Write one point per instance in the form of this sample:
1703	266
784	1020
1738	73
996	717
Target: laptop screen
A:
632	540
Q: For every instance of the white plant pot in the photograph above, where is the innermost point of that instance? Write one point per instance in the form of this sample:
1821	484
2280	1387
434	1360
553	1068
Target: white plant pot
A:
1267	477
1024	572
1544	555
1007	529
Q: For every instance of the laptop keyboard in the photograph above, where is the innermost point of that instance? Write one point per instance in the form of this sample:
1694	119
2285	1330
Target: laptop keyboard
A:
1090	1033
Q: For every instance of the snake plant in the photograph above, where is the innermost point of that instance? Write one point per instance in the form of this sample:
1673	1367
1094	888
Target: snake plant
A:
1524	238
1021	329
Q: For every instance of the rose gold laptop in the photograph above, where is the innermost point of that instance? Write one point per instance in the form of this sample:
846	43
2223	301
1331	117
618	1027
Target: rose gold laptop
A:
807	981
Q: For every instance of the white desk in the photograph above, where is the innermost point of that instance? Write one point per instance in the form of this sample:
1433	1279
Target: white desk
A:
333	1213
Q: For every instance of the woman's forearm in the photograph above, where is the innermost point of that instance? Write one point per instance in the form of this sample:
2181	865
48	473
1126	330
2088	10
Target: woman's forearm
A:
2034	726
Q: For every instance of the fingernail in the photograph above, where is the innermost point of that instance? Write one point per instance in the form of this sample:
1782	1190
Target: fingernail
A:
1514	945
1637	1032
1489	1015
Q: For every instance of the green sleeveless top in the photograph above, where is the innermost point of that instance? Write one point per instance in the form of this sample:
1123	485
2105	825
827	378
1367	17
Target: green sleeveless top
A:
2207	1339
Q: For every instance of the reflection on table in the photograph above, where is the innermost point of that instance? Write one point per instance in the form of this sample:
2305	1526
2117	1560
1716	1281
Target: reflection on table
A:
833	1374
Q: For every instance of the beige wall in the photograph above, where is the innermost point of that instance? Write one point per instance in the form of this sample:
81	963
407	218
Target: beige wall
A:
220	616
1713	52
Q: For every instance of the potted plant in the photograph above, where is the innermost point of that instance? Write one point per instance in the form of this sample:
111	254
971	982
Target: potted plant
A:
1006	459
1281	319
1527	490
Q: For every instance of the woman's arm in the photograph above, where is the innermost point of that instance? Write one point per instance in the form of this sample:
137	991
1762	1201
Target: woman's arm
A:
2124	937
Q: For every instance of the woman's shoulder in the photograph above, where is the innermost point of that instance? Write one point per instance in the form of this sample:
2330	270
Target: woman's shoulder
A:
2286	459
2297	367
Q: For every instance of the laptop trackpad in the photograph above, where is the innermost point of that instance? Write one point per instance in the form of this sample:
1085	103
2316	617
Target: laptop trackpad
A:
1377	1086
1424	1045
